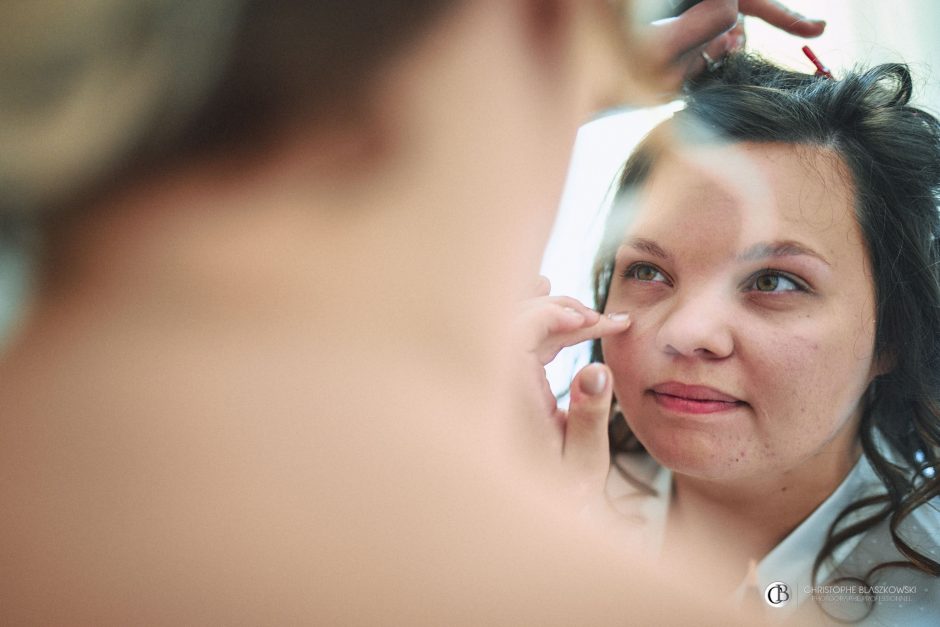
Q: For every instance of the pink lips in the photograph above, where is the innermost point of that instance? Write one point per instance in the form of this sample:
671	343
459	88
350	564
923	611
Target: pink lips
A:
693	399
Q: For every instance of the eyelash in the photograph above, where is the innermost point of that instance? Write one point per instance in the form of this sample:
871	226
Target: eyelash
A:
630	273
799	286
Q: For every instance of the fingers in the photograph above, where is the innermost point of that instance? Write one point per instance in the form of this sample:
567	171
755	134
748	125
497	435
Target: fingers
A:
543	318
697	26
715	50
532	305
547	324
586	452
778	15
604	326
672	47
680	47
727	43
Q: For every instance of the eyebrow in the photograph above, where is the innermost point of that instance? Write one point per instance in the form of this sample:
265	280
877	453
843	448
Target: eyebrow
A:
649	247
761	250
787	248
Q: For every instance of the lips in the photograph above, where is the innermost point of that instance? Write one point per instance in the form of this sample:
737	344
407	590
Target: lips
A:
693	399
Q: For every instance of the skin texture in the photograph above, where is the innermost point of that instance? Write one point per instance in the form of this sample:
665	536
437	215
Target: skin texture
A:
799	354
798	360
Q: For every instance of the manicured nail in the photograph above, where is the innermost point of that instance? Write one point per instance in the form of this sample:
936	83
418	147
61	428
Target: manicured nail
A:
593	381
620	316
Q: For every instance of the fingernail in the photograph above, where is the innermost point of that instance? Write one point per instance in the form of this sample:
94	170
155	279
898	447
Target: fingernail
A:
593	381
620	316
811	20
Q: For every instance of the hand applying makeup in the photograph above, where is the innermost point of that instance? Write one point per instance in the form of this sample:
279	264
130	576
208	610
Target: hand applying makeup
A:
574	442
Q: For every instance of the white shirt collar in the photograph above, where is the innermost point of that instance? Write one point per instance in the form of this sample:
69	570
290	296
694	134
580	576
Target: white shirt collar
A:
791	561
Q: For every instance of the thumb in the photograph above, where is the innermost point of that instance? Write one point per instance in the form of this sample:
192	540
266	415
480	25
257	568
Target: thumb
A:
586	452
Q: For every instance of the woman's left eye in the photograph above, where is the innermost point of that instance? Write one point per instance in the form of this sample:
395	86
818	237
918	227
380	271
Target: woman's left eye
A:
771	282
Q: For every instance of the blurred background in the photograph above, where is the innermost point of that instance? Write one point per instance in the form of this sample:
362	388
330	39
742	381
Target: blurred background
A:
864	32
858	33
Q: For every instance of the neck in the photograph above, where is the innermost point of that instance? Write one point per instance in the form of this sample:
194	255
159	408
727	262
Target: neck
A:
737	522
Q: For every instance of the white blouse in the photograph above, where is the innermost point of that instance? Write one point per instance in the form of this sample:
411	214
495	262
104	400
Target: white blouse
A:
902	596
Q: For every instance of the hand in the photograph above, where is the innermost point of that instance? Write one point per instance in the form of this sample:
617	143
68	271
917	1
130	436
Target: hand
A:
672	49
770	11
572	443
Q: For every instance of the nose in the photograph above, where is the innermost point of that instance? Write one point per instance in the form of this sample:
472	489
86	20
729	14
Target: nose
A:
697	325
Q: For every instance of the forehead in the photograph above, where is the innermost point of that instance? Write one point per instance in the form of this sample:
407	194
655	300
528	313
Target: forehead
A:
743	193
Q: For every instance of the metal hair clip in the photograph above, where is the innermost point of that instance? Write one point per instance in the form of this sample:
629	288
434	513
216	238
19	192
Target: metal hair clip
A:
821	70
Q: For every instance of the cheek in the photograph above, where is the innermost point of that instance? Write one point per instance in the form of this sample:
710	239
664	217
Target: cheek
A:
781	356
838	357
783	377
805	385
615	351
629	355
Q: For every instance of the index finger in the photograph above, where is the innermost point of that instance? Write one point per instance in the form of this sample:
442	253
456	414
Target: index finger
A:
610	324
696	27
776	14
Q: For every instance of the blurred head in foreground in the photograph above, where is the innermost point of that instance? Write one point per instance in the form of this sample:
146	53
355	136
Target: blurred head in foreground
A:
257	376
776	243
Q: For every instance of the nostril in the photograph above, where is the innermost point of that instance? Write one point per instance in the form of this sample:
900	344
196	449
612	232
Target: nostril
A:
713	342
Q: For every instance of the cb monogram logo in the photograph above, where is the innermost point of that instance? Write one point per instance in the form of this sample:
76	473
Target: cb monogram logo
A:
777	594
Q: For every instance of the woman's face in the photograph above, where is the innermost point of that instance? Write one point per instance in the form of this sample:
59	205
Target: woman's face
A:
753	311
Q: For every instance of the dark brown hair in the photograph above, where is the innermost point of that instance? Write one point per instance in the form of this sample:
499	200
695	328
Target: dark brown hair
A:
892	150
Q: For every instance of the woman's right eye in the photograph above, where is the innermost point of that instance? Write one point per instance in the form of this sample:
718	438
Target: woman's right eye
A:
646	273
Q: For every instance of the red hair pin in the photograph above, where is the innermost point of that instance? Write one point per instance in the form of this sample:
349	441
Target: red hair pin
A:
821	70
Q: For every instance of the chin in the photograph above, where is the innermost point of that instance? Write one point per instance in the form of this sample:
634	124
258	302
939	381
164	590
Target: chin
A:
694	454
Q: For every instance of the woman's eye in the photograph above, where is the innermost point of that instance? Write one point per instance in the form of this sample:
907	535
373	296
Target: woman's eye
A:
645	272
769	282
